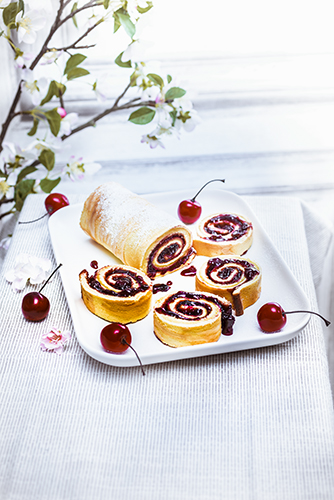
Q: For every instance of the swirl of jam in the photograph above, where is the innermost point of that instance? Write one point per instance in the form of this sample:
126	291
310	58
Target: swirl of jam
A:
117	282
195	306
226	227
168	255
230	272
236	279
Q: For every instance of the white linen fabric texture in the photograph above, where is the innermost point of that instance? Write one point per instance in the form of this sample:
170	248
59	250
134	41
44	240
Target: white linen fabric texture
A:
248	425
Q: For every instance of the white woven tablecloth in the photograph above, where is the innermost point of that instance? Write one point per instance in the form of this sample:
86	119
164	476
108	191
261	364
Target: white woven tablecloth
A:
256	424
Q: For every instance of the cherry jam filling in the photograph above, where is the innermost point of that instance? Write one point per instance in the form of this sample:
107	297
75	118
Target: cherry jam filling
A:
190	271
122	281
170	252
162	287
194	313
249	271
226	227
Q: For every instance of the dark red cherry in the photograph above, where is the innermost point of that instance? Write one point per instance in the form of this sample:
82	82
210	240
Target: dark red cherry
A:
189	211
113	338
116	338
35	306
272	317
53	202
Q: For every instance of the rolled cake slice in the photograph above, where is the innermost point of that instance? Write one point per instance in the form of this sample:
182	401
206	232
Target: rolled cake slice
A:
138	233
117	293
223	234
235	278
190	318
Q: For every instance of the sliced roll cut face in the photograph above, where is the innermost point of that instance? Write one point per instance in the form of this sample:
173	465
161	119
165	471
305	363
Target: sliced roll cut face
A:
119	294
134	230
223	234
190	318
235	278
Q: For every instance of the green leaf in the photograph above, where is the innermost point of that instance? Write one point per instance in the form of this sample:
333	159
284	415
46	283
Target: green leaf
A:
50	93
77	73
73	62
26	171
54	120
55	89
47	158
33	129
156	79
143	10
117	23
142	116
174	93
74	19
2	174
119	62
22	189
9	14
127	24
47	185
169	78
106	3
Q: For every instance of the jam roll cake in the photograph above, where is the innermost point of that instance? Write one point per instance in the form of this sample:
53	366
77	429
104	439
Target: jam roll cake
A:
189	318
235	278
223	234
117	293
138	233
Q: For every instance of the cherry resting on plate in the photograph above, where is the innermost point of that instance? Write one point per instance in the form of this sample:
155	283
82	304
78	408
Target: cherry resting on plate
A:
116	338
272	317
53	202
35	306
189	211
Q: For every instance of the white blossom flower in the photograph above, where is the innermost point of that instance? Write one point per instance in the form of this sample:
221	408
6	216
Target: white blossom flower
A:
152	140
76	169
35	88
55	340
28	24
21	60
50	142
7	185
28	267
4	188
51	56
67	123
4	3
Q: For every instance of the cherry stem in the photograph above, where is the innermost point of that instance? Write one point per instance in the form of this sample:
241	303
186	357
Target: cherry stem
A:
213	180
127	343
47	281
327	323
35	220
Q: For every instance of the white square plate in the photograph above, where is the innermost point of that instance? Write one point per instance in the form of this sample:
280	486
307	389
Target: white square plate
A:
75	250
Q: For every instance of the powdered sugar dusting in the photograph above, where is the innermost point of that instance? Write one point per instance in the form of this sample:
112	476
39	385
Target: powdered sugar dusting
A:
120	206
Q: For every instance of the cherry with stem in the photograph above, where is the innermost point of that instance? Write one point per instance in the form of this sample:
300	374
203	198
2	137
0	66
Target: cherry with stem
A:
116	338
189	211
53	202
272	317
35	306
